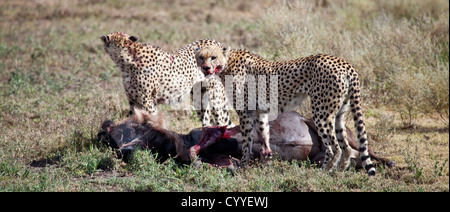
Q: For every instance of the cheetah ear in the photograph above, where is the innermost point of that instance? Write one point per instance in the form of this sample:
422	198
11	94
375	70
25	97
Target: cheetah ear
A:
134	38
226	50
104	38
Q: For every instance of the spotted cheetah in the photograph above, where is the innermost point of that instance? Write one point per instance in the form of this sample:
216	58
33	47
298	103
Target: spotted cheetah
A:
331	83
153	76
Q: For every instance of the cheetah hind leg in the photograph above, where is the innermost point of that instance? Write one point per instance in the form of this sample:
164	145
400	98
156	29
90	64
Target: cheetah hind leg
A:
341	135
332	149
336	148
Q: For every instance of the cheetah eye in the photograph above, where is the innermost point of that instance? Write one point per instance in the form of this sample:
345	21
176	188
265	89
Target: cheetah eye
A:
201	58
213	57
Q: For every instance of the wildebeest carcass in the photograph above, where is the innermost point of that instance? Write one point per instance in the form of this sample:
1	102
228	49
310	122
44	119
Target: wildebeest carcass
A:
292	137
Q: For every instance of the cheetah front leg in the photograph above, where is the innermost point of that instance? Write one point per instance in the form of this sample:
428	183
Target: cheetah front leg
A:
149	107
133	105
264	130
205	117
246	124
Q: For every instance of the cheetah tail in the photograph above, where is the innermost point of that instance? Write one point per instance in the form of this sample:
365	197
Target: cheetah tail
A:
355	104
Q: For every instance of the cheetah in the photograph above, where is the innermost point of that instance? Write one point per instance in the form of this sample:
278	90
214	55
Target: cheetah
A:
331	83
153	76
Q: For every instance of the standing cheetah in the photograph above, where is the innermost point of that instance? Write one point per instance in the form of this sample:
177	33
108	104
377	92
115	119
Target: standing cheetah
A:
331	83
152	76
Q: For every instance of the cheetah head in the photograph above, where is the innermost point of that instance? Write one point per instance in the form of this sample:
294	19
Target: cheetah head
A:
212	59
116	41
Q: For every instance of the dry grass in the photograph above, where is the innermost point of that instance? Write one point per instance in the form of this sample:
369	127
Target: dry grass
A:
57	85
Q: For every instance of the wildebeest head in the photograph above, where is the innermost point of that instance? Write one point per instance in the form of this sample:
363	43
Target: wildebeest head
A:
142	130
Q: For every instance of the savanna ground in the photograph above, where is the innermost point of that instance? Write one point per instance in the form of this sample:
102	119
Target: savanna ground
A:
57	85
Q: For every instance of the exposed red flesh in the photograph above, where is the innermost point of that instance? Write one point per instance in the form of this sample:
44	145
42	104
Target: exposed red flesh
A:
211	135
218	69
